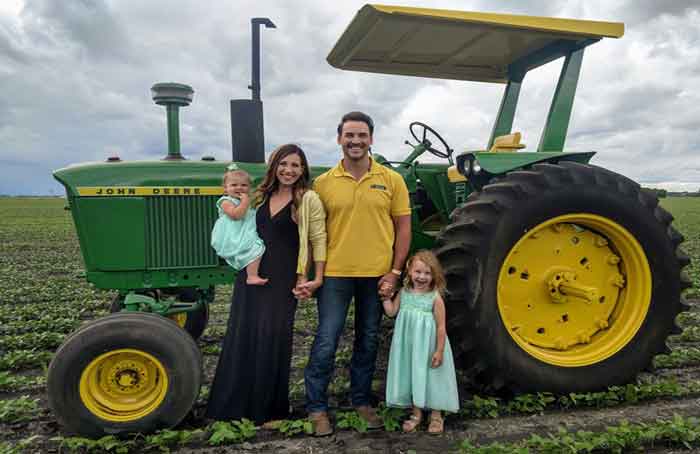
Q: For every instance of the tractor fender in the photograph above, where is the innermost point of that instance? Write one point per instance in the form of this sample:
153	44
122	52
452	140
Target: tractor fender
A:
498	163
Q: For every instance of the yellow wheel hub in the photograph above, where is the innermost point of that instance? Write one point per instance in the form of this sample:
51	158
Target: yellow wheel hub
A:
574	290
123	385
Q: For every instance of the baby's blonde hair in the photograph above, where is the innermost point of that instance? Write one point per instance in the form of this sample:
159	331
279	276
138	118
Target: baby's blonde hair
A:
439	283
236	173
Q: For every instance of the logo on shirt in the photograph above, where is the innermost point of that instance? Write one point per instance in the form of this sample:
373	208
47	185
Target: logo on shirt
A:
378	186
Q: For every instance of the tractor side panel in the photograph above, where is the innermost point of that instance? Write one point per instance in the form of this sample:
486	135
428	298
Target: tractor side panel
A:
114	235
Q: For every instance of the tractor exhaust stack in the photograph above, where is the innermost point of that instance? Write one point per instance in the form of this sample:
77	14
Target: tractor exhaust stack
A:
247	125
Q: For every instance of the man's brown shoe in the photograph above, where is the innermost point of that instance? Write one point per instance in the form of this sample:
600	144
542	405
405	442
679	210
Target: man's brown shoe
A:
320	423
369	414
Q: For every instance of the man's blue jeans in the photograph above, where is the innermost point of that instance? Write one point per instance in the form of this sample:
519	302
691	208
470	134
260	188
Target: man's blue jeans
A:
333	302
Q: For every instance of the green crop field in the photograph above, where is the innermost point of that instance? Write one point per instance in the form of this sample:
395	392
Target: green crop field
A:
44	297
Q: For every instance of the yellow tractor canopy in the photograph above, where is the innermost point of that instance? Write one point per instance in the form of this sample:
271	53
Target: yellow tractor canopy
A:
484	47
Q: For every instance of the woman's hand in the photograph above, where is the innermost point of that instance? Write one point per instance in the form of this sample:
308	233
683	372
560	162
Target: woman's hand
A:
298	290
437	360
306	289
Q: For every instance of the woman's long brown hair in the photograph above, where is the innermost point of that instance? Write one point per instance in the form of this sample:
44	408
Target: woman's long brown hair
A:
270	184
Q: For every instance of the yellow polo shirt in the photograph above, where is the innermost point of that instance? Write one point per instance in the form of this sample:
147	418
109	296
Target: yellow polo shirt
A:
359	219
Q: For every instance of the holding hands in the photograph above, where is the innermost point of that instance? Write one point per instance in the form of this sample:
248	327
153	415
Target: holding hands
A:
388	285
306	288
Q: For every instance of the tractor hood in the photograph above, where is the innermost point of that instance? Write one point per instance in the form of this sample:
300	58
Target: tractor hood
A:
89	178
484	47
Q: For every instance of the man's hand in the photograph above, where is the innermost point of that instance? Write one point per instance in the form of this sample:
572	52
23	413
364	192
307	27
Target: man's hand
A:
387	285
298	291
305	288
437	360
308	289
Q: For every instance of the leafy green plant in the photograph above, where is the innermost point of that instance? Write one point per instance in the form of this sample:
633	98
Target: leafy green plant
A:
212	349
339	385
31	340
215	330
617	439
351	420
18	410
343	356
108	443
46	323
296	389
391	417
224	432
685	319
12	382
481	407
530	403
689	334
163	440
20	447
291	427
22	359
494	448
679	356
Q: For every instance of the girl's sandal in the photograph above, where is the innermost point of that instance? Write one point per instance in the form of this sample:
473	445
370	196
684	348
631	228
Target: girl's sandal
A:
411	423
437	425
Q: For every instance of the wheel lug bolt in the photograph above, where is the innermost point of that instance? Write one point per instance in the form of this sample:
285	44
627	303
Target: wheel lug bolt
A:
618	280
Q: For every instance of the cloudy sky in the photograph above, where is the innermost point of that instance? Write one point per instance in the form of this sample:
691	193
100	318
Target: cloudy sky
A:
75	77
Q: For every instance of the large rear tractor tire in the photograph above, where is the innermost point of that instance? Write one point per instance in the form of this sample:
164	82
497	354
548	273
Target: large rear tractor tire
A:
126	372
562	277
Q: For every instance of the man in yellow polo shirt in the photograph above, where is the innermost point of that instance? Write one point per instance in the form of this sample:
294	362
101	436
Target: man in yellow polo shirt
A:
369	234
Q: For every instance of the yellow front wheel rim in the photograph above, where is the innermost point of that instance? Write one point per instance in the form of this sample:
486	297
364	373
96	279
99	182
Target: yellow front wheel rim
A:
574	290
123	385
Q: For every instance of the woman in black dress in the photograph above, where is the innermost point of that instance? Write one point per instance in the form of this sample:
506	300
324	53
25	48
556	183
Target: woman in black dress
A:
252	377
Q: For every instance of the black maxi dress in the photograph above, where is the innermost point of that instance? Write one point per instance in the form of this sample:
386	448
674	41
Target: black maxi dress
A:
252	377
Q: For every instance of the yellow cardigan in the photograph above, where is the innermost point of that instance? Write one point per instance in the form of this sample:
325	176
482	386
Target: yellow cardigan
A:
311	219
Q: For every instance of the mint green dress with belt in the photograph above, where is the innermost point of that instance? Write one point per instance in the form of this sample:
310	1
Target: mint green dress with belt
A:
410	381
236	240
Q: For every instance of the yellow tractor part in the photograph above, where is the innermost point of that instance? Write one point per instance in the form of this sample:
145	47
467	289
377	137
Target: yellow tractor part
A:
179	318
574	290
458	45
123	385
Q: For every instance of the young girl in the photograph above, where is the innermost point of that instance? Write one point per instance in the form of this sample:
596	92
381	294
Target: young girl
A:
421	372
234	237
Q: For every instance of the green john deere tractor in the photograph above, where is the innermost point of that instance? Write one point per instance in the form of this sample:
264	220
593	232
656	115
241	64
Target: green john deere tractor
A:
562	276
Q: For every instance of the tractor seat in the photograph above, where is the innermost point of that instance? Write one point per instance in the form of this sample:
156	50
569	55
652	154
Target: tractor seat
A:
507	143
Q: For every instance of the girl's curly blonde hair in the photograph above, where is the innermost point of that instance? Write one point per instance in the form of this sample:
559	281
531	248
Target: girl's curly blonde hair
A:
428	258
236	173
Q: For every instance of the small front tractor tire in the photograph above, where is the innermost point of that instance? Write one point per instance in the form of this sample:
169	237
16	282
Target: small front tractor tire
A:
123	373
561	277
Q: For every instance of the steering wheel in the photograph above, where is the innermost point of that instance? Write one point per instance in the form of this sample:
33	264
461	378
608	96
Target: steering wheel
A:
447	154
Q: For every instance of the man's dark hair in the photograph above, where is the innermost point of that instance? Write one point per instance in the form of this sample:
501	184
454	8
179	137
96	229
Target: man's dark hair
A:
356	116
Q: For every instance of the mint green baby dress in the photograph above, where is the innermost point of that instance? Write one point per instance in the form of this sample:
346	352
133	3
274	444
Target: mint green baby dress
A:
410	381
236	240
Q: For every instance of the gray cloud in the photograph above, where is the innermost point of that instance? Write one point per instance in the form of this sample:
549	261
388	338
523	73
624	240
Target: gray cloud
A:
76	77
90	24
